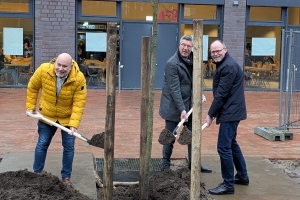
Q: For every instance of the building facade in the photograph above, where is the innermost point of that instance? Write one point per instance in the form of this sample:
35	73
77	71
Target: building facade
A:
251	29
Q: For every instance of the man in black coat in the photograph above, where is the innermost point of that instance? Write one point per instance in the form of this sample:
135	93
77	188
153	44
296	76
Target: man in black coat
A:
229	108
176	98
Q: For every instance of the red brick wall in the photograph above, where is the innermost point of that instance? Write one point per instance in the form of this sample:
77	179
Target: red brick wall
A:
55	29
234	29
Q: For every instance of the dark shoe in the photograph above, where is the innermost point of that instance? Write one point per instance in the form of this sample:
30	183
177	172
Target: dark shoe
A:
241	181
68	182
205	169
222	189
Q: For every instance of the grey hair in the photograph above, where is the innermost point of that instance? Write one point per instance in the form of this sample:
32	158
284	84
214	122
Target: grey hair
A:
186	37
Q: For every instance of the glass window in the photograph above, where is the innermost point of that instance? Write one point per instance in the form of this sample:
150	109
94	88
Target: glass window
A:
262	57
200	11
265	13
103	8
167	12
14	6
294	16
91	51
16	50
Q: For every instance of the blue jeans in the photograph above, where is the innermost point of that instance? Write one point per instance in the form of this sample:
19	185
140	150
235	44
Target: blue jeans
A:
168	148
230	153
46	132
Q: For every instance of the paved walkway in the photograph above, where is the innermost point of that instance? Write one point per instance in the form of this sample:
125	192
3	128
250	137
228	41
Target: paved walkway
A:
19	132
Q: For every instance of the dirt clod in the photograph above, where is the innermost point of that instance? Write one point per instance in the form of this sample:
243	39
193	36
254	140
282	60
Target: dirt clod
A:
97	140
185	136
166	137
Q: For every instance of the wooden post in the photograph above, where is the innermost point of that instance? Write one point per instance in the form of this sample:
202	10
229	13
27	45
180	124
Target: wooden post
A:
145	77
109	135
197	110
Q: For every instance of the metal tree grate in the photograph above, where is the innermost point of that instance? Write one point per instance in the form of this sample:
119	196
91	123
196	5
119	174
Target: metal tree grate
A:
128	164
127	169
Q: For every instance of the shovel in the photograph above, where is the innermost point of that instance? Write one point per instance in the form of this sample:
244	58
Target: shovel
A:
41	117
185	136
166	137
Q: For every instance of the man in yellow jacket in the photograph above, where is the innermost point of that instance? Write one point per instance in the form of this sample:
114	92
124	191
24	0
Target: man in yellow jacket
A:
62	100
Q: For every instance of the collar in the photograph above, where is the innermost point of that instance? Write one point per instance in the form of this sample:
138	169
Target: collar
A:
187	61
220	63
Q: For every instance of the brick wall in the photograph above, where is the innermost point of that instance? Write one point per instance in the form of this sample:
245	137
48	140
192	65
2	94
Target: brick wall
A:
55	29
234	29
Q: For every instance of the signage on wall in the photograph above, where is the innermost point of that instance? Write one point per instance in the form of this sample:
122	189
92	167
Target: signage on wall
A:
263	47
96	42
168	15
12	41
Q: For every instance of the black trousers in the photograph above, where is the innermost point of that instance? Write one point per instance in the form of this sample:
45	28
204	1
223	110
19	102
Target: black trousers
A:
168	148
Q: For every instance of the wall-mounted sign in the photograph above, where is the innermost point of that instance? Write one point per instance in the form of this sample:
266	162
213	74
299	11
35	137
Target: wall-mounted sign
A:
13	41
263	47
96	42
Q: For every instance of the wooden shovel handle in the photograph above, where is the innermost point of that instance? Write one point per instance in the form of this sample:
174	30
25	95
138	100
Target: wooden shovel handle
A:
41	117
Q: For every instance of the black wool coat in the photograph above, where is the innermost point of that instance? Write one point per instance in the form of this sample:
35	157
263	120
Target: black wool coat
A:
177	89
228	91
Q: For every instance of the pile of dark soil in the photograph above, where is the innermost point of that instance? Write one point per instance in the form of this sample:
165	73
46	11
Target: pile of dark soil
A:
172	184
166	185
35	186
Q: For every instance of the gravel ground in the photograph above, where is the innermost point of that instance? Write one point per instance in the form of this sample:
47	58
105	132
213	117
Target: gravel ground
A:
289	167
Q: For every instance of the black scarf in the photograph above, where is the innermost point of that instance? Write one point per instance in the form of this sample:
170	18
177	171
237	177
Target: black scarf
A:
188	62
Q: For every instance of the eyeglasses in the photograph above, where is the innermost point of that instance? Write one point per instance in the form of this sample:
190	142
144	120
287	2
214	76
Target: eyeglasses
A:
216	51
186	45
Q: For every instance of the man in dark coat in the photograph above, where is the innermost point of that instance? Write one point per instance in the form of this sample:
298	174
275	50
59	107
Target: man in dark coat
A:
229	108
176	98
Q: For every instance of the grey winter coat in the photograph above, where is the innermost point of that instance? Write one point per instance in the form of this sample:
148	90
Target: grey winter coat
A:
177	89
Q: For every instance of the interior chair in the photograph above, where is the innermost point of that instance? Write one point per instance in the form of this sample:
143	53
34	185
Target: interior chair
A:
259	64
6	76
25	74
92	77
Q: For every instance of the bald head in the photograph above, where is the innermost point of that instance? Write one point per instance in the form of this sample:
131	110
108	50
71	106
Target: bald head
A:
65	57
63	65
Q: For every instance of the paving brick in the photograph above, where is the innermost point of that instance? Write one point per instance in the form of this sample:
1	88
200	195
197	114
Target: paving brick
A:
19	132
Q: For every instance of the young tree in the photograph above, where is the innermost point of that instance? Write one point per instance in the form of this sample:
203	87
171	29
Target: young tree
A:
144	185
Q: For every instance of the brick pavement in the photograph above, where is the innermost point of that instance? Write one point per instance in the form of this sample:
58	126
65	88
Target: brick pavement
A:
19	133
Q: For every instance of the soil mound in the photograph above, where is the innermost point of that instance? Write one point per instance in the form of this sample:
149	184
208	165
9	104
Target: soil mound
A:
23	184
166	185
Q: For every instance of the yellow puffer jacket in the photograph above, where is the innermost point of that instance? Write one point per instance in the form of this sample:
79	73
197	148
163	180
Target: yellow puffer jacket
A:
66	108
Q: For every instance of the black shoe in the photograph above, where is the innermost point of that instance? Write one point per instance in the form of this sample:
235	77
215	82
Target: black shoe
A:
241	181
222	189
205	169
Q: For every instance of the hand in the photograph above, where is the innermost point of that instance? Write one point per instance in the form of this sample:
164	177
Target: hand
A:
184	116
73	130
31	111
208	120
203	98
